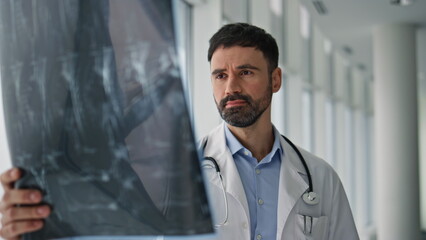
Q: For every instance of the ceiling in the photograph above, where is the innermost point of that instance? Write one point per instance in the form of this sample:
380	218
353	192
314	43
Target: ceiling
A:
349	23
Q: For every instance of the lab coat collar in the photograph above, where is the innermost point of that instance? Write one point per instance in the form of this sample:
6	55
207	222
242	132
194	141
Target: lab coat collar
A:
216	148
291	186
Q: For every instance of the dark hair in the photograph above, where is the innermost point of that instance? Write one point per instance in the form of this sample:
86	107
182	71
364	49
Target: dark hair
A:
245	35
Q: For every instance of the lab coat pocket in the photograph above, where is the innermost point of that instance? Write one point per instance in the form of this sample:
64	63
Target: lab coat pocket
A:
312	228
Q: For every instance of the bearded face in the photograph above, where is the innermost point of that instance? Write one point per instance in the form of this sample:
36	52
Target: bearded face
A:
243	84
246	113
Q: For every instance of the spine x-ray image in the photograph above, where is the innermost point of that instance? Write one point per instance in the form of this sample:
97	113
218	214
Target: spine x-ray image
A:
96	117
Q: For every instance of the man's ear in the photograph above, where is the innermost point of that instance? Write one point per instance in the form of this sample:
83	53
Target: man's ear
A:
276	80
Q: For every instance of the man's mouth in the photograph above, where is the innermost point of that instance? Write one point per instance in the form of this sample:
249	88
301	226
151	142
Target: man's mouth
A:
235	103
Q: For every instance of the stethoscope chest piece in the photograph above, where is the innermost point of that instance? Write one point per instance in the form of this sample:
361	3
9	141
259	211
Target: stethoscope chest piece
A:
310	198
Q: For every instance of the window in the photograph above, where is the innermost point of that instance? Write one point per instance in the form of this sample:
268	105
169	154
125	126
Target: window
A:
307	119
370	169
235	11
305	32
330	136
349	155
284	87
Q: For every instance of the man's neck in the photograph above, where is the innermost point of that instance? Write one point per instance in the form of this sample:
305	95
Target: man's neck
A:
258	138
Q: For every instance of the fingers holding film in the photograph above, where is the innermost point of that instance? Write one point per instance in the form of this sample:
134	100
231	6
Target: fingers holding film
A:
15	214
19	196
9	177
15	229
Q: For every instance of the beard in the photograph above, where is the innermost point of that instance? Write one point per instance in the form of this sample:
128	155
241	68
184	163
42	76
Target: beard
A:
246	115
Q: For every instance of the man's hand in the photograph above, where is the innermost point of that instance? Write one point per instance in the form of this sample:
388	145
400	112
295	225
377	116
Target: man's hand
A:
18	220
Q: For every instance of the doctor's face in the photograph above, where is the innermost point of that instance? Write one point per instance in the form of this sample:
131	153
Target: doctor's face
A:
242	84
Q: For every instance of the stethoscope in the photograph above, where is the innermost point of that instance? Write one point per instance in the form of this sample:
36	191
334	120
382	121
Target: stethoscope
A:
309	197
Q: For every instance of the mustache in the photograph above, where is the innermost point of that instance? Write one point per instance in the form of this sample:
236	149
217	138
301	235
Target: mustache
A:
234	97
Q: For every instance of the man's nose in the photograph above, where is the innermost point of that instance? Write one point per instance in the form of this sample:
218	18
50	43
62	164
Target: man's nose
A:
233	85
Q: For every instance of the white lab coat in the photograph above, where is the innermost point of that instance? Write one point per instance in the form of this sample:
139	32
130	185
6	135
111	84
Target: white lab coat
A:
332	217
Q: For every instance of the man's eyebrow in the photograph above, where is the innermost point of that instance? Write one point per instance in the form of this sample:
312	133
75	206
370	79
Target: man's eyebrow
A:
244	66
216	71
248	66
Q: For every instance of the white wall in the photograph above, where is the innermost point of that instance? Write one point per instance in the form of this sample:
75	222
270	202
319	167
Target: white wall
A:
260	12
207	19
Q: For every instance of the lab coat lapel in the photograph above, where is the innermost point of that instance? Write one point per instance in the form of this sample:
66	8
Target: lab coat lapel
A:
216	148
291	186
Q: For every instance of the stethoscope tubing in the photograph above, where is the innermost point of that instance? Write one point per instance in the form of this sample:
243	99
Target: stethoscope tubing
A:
302	159
310	197
299	154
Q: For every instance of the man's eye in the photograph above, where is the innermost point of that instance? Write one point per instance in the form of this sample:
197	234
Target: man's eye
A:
220	76
246	72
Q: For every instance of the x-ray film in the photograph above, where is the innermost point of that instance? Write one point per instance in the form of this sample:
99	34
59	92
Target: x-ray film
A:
96	117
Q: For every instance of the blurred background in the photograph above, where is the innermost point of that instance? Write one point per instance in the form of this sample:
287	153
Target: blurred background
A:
354	93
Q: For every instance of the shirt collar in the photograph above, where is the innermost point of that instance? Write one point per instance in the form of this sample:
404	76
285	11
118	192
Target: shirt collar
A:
234	145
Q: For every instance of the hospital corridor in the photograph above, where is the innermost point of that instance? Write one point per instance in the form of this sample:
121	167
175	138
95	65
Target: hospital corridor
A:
353	93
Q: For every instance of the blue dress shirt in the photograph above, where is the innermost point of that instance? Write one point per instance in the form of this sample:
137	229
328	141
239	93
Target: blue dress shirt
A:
260	181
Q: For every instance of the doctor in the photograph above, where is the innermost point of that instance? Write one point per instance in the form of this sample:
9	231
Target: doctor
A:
257	180
259	184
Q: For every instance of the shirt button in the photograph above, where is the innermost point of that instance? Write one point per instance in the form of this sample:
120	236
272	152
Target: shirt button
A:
258	237
257	171
245	225
260	201
246	153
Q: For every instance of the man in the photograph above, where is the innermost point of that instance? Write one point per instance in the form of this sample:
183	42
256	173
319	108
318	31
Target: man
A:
263	175
264	182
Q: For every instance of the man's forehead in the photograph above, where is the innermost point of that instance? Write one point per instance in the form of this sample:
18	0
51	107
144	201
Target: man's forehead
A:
235	48
237	55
